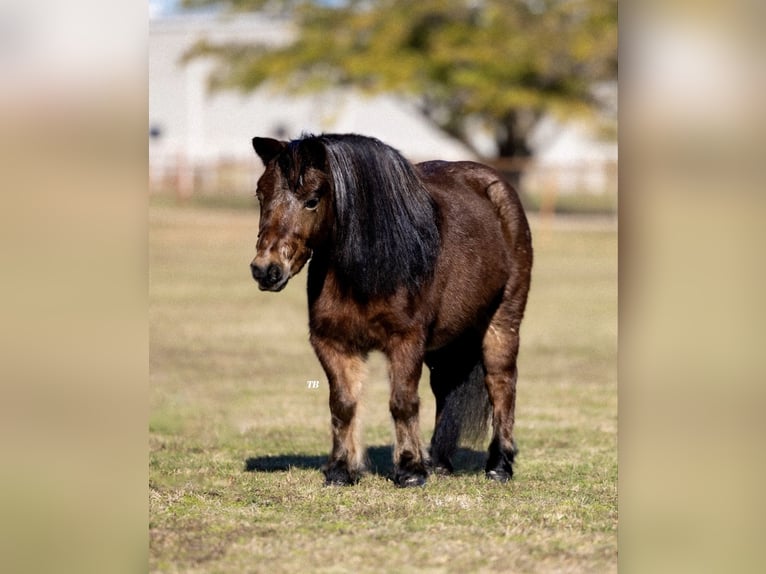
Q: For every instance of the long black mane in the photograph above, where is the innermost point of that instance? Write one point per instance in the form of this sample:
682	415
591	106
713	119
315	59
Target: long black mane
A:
386	233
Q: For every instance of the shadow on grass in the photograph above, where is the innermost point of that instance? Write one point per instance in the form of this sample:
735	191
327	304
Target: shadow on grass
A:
378	461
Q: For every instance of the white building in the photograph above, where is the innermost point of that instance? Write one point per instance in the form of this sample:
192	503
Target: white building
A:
571	158
191	127
195	132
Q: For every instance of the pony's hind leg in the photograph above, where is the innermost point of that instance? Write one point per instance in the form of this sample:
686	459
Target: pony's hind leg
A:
345	372
500	349
500	346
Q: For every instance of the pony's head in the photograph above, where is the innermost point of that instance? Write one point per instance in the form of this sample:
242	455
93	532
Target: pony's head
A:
293	194
353	197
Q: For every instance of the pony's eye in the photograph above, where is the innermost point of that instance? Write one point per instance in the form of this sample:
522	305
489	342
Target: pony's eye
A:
312	204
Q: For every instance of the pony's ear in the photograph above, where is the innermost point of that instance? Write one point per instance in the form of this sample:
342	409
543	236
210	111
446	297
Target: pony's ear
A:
267	148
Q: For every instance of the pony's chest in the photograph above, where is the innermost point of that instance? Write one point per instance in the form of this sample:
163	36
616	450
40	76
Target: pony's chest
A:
361	326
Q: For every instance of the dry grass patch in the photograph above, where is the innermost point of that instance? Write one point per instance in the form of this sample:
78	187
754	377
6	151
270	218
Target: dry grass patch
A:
237	436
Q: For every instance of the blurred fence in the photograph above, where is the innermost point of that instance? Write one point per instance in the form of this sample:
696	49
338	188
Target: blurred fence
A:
184	179
581	187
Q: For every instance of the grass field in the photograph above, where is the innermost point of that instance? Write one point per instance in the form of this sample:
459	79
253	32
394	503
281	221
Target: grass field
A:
237	435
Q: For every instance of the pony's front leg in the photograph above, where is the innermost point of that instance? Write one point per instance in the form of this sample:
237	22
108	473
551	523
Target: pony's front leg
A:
345	372
406	363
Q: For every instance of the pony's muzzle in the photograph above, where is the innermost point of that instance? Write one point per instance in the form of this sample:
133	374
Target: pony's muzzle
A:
269	277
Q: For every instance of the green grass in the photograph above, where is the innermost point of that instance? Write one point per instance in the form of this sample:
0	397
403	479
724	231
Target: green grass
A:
229	366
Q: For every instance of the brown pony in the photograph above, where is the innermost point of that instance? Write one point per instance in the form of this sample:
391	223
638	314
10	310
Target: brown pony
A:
426	263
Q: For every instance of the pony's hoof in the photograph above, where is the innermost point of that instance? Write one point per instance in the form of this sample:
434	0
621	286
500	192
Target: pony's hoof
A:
442	468
409	478
337	475
499	475
500	462
331	481
410	481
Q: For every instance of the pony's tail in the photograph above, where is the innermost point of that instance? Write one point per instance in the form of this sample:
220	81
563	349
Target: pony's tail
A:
464	419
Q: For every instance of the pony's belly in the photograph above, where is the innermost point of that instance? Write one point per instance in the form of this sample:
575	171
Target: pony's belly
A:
442	336
466	305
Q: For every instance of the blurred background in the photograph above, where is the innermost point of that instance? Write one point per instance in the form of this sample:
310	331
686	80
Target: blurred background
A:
529	87
77	98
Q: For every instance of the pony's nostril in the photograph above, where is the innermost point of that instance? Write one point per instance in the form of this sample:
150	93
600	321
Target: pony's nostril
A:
258	272
274	273
269	277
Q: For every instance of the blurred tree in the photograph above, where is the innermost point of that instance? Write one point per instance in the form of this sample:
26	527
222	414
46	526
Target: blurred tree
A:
500	64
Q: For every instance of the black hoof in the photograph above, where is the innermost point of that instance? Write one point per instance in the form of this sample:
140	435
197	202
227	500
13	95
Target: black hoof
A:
500	463
413	474
499	475
338	474
407	480
442	468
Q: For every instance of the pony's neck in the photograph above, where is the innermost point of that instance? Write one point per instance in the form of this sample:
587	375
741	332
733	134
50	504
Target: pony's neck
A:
323	273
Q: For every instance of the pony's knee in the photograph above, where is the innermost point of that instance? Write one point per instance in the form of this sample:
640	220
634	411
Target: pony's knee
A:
501	384
342	407
500	351
404	405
